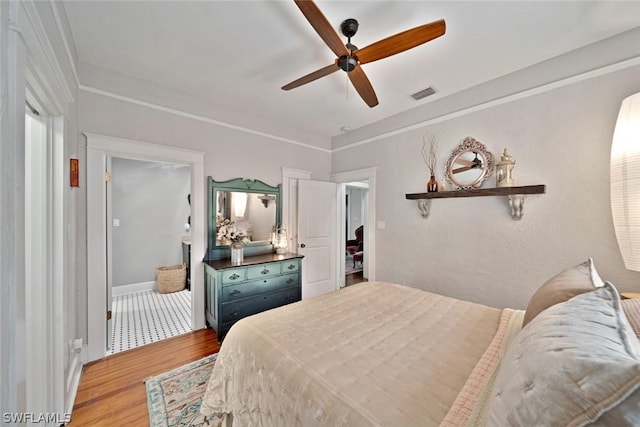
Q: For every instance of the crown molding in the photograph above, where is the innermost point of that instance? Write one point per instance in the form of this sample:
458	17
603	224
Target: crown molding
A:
65	41
48	80
197	117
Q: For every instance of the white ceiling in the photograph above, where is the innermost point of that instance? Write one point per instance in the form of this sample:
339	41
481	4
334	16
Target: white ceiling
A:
238	54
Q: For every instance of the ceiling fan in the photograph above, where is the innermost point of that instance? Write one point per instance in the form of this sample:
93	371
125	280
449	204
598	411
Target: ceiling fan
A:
476	163
349	57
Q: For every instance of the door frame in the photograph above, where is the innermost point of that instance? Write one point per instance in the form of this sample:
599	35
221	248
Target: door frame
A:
368	174
99	147
290	179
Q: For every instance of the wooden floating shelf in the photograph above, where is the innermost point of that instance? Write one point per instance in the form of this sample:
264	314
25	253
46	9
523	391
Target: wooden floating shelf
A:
478	192
515	195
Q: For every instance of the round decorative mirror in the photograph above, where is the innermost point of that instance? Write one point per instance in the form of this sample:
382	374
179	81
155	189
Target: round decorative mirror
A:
470	165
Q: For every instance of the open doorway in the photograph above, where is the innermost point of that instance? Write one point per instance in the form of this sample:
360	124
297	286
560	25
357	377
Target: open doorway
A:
364	178
356	194
99	148
148	222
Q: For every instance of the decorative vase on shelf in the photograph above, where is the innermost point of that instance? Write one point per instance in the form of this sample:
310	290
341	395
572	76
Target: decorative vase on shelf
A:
432	185
237	253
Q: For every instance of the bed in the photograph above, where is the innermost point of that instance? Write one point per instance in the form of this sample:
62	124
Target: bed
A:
383	354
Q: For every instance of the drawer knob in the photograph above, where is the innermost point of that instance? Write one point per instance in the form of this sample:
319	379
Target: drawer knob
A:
234	276
265	271
291	266
236	313
235	292
290	280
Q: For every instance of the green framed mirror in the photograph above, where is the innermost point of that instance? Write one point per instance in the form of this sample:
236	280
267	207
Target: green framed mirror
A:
246	206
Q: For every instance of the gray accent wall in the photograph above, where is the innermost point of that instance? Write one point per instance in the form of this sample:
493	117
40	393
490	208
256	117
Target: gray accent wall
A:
149	200
471	248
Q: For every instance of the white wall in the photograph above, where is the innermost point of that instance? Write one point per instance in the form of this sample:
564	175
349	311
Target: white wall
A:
229	153
33	36
470	247
149	200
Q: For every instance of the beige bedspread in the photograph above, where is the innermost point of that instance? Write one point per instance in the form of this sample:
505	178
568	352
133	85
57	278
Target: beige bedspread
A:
373	354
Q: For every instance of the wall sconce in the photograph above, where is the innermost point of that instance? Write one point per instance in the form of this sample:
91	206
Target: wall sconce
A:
625	181
265	199
282	241
239	204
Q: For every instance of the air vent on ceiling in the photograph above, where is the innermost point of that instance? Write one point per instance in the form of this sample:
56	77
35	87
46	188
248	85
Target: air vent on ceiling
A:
423	93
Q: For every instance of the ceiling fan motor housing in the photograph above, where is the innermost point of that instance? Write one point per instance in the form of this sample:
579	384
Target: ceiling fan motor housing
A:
347	63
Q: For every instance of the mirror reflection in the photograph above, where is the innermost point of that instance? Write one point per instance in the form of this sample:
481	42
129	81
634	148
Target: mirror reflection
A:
249	217
469	165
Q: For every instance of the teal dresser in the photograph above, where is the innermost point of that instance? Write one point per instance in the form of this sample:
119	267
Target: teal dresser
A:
261	283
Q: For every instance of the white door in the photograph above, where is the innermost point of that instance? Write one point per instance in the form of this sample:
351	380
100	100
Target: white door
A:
109	272
317	236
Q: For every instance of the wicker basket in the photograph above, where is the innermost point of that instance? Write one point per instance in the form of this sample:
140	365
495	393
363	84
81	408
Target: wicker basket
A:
171	279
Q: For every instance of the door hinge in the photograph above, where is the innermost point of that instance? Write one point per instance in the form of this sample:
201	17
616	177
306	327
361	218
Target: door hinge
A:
108	314
107	177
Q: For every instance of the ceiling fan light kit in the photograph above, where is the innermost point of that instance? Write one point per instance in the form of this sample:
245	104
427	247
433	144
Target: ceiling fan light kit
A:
350	58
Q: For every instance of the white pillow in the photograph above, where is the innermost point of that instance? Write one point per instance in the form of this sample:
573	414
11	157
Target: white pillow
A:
575	363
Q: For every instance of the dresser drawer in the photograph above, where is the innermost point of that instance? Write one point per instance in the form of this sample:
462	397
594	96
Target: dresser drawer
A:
263	270
234	275
257	287
233	311
291	266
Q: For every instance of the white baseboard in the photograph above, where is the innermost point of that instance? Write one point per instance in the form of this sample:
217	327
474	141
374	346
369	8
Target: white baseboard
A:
133	288
73	381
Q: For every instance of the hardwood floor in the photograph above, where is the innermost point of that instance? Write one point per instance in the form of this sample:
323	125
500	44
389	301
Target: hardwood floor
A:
352	279
112	390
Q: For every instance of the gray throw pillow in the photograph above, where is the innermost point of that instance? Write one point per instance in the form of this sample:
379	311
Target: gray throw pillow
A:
577	363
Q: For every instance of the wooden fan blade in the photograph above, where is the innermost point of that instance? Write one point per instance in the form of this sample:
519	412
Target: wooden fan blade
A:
462	169
312	76
363	86
322	26
401	42
464	162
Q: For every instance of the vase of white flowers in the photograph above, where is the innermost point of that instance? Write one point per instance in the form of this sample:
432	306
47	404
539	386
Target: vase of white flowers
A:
234	233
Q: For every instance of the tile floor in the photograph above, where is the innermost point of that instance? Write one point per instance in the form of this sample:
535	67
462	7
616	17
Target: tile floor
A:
145	317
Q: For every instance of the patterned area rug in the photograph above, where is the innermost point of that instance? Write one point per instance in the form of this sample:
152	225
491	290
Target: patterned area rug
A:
174	397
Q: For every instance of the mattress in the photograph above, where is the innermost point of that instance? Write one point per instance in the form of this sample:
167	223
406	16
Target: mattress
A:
373	354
